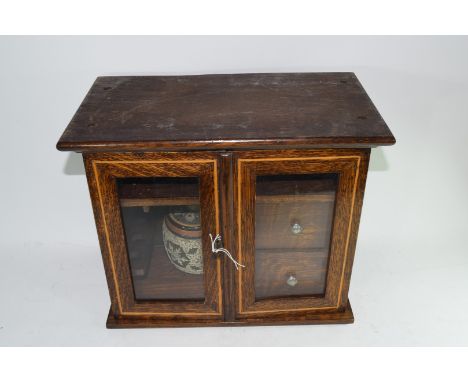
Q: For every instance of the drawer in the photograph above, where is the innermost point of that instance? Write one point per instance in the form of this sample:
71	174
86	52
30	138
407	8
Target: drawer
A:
294	273
294	221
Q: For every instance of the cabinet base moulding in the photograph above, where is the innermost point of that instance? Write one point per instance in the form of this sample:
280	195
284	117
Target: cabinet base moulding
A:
344	317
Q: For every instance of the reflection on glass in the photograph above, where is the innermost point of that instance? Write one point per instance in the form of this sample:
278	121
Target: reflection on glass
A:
161	218
293	223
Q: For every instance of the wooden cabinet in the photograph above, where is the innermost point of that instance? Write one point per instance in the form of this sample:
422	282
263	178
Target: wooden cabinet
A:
227	199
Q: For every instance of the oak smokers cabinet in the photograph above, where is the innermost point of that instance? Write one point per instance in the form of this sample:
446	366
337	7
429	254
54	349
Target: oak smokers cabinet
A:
227	199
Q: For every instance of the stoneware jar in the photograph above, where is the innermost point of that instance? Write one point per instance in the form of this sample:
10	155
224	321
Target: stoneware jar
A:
182	240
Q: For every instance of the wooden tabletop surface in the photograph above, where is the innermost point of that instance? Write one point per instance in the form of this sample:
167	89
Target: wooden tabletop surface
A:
226	111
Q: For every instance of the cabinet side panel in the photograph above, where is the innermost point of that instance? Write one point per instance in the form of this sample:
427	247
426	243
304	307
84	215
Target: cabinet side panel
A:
98	218
354	227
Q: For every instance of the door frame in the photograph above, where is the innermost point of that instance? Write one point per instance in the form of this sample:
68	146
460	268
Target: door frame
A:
102	170
351	165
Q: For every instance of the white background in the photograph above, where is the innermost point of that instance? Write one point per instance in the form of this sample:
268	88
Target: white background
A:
410	278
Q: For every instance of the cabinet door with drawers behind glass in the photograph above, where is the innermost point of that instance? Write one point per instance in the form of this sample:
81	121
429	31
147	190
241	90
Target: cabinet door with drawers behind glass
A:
294	211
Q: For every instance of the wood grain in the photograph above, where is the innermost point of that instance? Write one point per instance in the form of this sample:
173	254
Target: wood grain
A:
231	297
226	111
248	165
166	282
103	170
228	130
275	217
272	269
344	316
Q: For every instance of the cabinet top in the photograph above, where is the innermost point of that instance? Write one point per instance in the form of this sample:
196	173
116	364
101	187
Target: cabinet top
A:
225	111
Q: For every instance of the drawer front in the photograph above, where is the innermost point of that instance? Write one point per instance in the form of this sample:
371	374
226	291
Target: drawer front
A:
294	222
282	274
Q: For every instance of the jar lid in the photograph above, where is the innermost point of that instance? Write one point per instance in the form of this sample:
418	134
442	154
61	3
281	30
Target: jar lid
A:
185	224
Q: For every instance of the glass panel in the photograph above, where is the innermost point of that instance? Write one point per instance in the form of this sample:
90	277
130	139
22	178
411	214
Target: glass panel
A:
161	218
293	224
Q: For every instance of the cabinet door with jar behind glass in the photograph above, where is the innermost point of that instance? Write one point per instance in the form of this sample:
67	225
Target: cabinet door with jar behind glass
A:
155	213
295	233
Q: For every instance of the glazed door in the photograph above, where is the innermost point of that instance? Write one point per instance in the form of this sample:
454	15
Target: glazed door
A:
295	230
155	213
